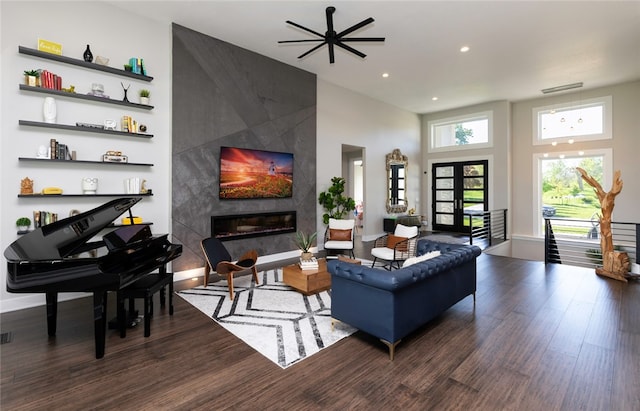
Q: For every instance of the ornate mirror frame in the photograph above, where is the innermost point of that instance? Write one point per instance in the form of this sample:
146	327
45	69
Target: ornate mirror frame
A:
396	161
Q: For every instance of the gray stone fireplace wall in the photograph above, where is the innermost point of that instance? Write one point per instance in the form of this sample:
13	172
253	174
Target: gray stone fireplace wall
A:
224	95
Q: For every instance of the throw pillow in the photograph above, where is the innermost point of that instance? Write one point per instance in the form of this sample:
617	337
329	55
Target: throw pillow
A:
393	240
423	257
339	235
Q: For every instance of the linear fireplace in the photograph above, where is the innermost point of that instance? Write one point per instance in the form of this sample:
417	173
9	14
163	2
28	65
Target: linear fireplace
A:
233	227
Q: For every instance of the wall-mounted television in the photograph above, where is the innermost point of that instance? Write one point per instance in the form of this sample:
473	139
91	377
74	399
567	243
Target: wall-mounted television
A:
249	173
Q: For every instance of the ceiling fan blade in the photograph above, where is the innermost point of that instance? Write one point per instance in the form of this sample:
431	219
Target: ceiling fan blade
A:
351	49
331	54
355	27
329	12
312	50
299	41
363	39
305	29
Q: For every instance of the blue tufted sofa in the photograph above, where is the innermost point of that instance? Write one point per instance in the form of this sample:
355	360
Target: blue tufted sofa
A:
390	305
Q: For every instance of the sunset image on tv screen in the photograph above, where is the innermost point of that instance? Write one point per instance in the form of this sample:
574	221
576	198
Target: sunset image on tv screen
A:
248	173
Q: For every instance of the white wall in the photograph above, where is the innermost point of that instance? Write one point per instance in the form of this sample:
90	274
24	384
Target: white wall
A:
345	117
112	34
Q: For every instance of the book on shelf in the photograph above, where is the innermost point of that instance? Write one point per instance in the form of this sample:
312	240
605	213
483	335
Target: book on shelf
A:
59	151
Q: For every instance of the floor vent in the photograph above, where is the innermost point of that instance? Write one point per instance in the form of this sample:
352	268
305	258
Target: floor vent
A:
5	338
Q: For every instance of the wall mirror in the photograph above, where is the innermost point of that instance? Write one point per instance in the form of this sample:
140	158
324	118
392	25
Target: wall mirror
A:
397	164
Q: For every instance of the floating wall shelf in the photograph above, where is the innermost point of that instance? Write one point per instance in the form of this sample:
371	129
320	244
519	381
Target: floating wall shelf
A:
82	63
47	160
44	90
80	195
69	127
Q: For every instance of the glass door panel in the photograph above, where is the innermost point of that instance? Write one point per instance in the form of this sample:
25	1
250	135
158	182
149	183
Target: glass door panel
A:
459	191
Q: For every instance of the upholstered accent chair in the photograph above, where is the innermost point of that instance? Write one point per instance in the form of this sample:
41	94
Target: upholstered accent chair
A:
217	257
339	237
394	248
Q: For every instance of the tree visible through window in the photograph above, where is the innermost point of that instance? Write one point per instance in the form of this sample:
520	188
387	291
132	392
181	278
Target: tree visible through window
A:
472	130
564	193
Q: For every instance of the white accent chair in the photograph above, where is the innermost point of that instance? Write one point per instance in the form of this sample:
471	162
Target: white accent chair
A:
339	237
395	248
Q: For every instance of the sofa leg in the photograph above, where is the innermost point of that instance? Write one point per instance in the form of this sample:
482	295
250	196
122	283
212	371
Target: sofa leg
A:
392	347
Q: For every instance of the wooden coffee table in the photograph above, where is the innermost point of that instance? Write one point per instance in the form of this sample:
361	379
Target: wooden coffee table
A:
308	281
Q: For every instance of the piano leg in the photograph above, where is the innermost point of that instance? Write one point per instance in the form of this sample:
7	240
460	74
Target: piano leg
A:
100	320
52	312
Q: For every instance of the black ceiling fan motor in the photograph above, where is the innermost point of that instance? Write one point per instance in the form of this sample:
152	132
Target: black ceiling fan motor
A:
331	38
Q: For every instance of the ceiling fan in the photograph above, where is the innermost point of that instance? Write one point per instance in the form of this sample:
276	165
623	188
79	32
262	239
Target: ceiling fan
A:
331	38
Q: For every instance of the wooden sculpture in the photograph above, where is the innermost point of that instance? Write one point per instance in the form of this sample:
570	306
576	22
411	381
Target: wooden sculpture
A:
26	186
615	264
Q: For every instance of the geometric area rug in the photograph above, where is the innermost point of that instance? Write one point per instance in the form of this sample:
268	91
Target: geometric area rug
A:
280	323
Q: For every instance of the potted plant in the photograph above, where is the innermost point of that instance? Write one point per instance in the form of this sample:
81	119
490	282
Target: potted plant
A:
334	202
304	243
144	96
128	67
23	224
31	77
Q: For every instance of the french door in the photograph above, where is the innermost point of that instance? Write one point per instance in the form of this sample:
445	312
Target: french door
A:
459	189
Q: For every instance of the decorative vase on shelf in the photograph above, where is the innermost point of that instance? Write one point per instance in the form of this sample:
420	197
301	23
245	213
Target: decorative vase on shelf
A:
88	55
49	111
144	100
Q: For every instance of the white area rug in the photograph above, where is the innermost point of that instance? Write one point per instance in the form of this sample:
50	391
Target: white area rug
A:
282	324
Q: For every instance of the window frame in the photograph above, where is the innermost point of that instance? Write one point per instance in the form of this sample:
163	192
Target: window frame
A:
431	125
607	177
607	129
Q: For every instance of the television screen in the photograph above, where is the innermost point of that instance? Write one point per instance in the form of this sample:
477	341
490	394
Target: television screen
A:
248	173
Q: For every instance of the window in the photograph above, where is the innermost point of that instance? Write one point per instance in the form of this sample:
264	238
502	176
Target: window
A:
470	131
563	193
587	120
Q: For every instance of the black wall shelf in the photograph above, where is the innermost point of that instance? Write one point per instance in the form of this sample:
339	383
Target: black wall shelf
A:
47	160
81	63
113	225
81	195
88	97
82	129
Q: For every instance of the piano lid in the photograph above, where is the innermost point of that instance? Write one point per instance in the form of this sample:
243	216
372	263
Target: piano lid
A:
61	239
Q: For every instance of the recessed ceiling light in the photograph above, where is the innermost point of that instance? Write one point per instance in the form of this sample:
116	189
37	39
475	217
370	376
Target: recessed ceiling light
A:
434	98
385	75
464	49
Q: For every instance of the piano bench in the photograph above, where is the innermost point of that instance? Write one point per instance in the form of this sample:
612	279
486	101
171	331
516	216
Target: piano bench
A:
145	288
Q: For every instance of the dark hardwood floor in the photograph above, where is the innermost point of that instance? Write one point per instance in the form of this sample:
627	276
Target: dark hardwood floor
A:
540	338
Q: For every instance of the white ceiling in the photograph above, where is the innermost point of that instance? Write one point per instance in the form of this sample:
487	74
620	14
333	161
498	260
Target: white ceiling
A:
517	47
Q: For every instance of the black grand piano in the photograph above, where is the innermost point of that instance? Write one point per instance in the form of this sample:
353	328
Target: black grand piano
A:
51	259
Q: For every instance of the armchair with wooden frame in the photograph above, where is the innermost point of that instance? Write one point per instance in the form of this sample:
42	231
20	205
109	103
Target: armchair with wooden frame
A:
395	248
217	257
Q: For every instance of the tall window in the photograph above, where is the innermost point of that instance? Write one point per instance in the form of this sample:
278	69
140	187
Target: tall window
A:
471	131
587	120
564	194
